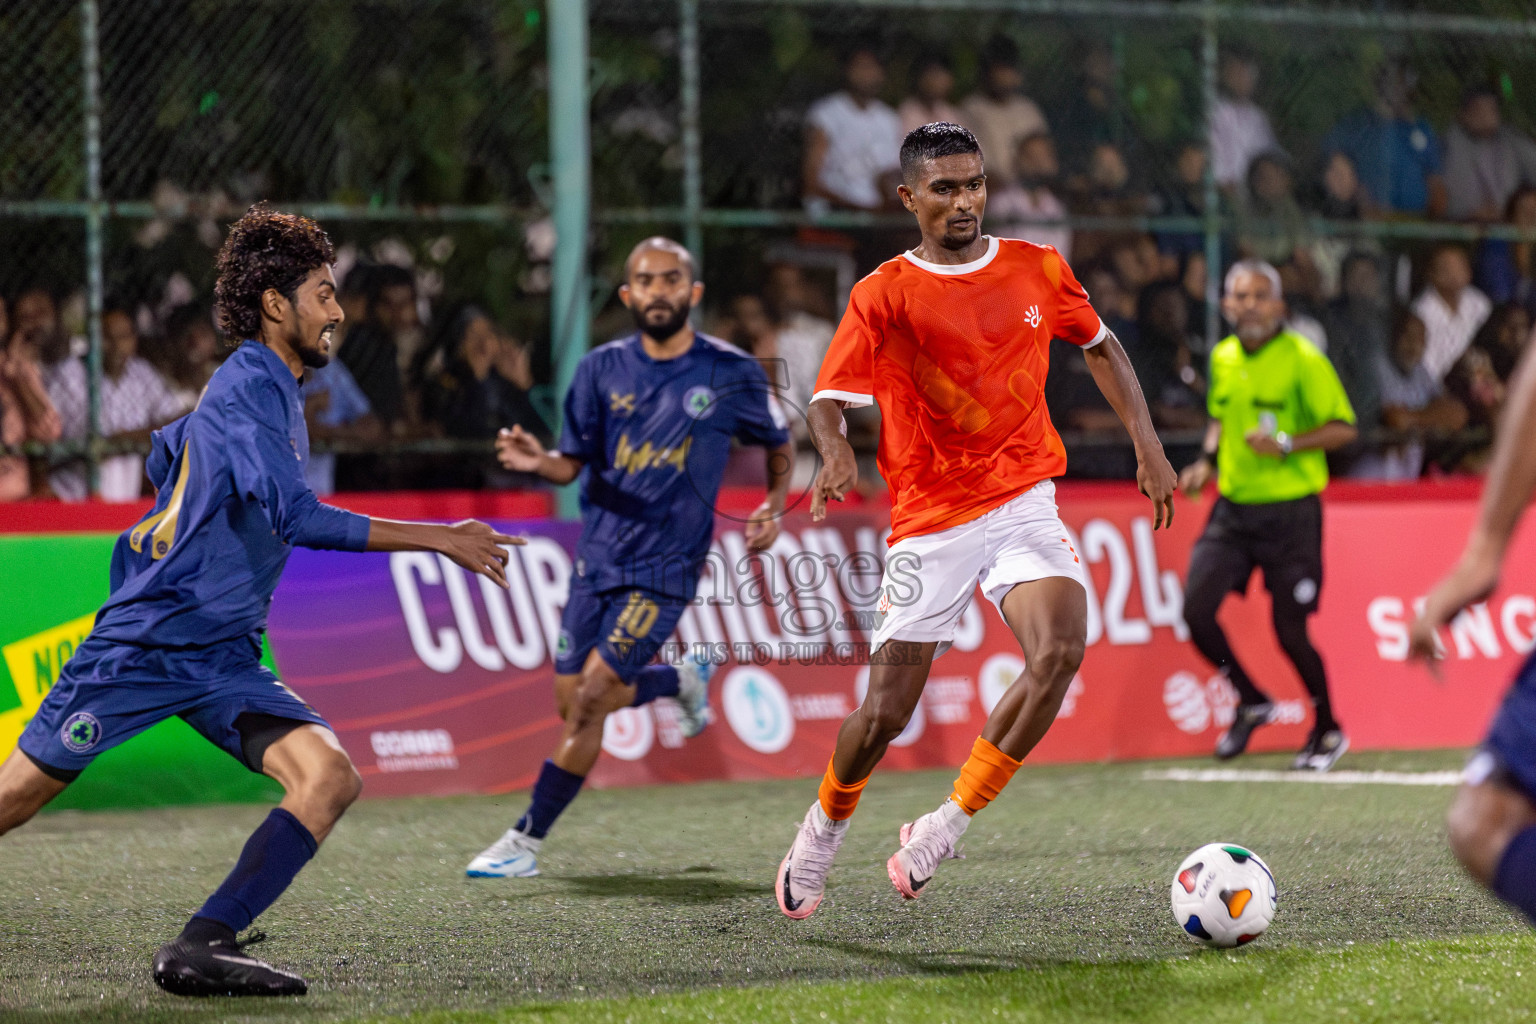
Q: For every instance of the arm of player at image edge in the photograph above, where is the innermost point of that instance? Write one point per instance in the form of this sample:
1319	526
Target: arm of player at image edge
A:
1113	373
470	543
839	467
763	525
1510	482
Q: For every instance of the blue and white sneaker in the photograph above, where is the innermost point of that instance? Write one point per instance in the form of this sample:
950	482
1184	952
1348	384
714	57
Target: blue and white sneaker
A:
514	855
693	710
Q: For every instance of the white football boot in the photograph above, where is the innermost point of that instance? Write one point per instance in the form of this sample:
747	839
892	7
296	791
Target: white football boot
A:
514	855
924	843
693	710
802	879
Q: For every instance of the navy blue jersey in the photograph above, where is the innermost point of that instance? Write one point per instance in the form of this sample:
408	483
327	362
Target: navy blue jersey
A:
200	568
653	437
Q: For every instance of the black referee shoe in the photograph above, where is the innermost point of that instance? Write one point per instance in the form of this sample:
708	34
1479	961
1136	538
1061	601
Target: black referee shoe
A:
185	968
1247	718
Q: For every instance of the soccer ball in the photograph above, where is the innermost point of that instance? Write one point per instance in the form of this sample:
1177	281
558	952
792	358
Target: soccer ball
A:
1224	895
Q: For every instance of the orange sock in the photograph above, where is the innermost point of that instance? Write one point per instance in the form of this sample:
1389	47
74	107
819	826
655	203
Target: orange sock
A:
983	776
838	799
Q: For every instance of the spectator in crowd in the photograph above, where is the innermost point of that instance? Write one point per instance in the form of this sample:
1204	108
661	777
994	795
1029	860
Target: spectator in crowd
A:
1092	112
1504	337
800	337
1013	209
480	390
1412	399
1105	191
1358	320
1271	225
35	316
1182	196
1485	159
1451	308
1506	271
186	353
1342	197
999	114
853	142
1164	359
1394	150
335	409
1476	385
135	400
26	414
1240	129
933	81
379	351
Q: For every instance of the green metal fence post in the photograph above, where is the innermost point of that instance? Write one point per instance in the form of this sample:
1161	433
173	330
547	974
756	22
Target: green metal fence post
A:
693	172
1212	199
90	57
571	168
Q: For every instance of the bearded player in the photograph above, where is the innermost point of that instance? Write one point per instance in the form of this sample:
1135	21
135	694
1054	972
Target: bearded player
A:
180	634
951	340
649	422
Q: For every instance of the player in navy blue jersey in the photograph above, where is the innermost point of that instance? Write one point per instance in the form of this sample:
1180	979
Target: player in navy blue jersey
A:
648	427
1492	822
180	634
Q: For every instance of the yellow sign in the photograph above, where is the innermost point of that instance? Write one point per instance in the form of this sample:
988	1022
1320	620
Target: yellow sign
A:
35	663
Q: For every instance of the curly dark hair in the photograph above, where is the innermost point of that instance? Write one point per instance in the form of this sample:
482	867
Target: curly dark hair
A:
265	249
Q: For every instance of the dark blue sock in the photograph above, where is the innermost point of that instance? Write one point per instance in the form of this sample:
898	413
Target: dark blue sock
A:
271	858
552	794
654	681
1515	882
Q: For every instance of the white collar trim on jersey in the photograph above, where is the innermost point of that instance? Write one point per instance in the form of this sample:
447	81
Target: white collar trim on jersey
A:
951	269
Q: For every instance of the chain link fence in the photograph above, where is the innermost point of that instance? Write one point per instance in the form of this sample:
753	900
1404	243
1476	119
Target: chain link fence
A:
417	131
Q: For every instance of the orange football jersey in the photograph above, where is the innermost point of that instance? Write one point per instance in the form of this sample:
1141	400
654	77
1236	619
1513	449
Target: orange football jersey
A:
956	357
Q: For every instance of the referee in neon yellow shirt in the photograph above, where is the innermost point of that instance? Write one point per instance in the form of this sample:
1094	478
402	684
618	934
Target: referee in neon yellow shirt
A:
1276	407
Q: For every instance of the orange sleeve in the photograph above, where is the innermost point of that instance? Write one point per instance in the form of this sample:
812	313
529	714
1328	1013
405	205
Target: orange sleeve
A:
847	370
1075	319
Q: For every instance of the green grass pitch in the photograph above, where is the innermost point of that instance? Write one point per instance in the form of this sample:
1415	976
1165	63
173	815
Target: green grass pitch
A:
657	905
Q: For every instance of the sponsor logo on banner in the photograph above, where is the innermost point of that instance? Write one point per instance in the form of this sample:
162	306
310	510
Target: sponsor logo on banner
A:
1002	670
758	710
1196	706
915	725
629	733
34	664
413	750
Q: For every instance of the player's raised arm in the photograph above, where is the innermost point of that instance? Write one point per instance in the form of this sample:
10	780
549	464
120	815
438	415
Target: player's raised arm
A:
839	468
1113	373
518	450
470	543
1511	481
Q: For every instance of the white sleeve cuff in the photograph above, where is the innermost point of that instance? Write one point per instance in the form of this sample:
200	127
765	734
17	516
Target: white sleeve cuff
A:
852	398
1103	331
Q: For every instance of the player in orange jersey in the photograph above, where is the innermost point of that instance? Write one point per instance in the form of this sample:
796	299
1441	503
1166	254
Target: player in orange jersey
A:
951	340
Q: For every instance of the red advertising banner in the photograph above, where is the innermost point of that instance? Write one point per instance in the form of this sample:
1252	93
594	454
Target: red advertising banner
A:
438	683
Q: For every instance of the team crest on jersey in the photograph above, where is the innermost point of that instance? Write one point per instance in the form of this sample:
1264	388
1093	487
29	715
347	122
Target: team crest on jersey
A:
81	732
699	402
621	404
563	645
1033	316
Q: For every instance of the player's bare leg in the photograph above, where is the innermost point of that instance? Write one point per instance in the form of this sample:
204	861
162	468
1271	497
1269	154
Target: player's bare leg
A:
897	673
24	790
319	783
584	701
1049	618
1483	823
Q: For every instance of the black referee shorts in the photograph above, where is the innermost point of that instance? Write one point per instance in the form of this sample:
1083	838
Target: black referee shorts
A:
1284	538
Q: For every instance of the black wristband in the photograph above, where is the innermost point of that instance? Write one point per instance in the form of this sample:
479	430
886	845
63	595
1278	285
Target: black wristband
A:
1207	455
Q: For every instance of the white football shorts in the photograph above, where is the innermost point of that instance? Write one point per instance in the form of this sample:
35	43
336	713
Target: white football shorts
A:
929	578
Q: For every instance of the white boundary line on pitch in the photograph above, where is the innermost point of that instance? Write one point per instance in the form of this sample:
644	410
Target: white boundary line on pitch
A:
1332	778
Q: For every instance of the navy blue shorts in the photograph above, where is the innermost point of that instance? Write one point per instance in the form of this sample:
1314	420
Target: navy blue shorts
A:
1512	737
110	692
626	627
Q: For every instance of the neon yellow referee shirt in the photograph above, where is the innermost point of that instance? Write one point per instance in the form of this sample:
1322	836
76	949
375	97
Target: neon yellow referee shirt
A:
1288	385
